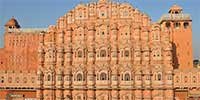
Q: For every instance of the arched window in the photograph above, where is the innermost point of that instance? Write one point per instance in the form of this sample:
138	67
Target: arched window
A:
80	53
194	79
59	78
125	13
2	79
139	78
103	33
148	77
68	97
126	53
33	79
25	80
121	53
177	79
170	77
186	24
49	78
167	25
185	79
10	80
126	97
156	36
177	25
17	80
156	54
103	53
159	77
78	97
79	77
127	77
103	76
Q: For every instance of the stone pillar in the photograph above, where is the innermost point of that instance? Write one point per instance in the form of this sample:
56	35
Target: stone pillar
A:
40	76
114	34
145	20
68	36
68	51
137	54
91	44
91	62
39	93
59	85
91	32
137	32
59	79
68	65
147	79
138	79
90	83
114	83
114	58
114	68
60	67
145	55
59	75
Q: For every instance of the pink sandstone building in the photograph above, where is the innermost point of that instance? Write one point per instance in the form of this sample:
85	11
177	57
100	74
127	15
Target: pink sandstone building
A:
101	51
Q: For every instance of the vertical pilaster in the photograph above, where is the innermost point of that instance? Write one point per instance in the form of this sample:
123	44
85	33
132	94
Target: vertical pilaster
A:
91	62
60	65
114	57
68	64
40	79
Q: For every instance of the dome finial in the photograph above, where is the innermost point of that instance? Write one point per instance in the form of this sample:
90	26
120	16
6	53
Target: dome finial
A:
12	23
175	9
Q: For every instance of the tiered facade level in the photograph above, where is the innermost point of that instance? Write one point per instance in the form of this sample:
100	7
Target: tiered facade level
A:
101	51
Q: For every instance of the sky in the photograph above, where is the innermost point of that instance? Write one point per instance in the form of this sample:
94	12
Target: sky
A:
42	13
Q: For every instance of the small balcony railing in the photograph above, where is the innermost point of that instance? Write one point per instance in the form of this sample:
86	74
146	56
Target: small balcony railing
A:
175	17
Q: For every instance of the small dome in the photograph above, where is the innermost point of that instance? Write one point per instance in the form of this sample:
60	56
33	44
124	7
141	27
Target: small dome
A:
103	1
175	8
12	23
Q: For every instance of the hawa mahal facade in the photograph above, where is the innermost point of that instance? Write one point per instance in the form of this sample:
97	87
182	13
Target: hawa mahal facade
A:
101	51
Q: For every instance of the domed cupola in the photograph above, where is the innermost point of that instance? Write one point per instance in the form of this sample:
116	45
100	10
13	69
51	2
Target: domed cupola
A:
103	1
175	9
12	23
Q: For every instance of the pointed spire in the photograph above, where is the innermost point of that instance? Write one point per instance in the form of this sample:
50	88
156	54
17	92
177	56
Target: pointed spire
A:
12	23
